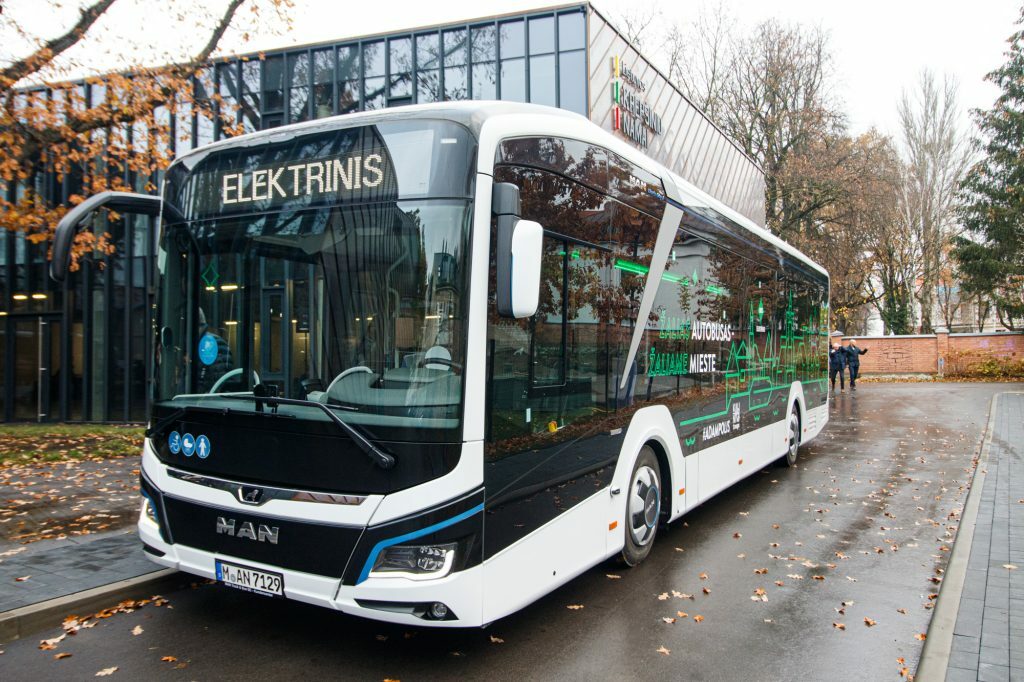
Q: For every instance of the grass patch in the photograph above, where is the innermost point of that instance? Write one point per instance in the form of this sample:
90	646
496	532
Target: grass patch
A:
24	443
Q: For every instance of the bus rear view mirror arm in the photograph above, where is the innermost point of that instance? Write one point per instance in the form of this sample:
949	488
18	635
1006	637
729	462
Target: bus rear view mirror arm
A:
75	219
518	253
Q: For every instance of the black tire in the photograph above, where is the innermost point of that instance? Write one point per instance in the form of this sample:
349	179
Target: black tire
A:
793	453
643	507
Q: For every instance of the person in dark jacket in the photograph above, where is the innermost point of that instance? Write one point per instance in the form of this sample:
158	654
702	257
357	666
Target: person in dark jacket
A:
853	353
837	363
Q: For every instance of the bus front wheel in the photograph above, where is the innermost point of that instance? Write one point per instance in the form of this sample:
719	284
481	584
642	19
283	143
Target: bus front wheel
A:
643	507
794	438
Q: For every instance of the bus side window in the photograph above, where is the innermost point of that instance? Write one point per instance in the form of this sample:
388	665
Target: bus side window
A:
549	373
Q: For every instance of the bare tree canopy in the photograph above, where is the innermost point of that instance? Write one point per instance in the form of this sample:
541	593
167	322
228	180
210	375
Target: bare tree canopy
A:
937	156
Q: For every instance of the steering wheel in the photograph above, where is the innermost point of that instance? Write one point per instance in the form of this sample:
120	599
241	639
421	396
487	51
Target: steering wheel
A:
350	370
454	366
227	375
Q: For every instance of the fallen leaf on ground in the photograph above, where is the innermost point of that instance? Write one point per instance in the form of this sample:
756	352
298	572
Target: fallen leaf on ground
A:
663	650
818	577
137	630
663	596
1010	567
870	623
703	576
106	672
497	640
61	655
681	614
901	611
22	579
838	626
612	576
760	571
574	607
168	659
668	620
707	590
698	618
737	535
920	636
779	583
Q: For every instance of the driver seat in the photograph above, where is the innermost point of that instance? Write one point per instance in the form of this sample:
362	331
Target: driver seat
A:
439	353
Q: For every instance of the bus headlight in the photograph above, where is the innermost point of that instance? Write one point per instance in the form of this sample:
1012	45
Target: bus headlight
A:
417	562
148	511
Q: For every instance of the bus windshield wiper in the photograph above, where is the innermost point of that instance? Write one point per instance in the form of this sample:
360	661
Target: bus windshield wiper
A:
165	422
384	460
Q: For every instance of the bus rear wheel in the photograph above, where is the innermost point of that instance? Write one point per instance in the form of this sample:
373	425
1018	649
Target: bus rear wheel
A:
643	507
794	438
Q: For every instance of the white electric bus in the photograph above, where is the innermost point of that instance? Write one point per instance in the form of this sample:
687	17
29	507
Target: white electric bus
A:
426	364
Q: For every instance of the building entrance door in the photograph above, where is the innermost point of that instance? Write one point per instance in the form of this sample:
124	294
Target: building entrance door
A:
33	367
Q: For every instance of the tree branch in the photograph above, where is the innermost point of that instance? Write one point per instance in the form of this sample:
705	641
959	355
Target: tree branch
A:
45	54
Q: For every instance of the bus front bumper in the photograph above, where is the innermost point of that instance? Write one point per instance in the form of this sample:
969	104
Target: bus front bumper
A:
393	600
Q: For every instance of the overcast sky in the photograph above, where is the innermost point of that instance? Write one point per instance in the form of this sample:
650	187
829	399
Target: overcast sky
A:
880	46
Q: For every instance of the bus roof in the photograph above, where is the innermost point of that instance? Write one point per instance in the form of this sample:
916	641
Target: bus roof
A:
474	114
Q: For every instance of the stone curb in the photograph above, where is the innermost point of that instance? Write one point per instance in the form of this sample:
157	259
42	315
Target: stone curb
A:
938	647
24	621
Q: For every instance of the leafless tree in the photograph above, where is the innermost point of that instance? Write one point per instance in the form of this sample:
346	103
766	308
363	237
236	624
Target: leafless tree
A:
700	57
639	23
937	156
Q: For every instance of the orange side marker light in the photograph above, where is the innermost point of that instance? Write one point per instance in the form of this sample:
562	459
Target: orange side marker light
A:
682	490
613	525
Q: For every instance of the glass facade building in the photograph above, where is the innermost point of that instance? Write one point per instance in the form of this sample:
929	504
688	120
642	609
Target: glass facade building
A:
79	351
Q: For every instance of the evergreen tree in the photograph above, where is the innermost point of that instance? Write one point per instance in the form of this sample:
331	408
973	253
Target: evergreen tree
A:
991	258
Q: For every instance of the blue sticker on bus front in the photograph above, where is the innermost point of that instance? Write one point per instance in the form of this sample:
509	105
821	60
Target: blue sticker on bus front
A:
188	444
203	447
174	442
208	349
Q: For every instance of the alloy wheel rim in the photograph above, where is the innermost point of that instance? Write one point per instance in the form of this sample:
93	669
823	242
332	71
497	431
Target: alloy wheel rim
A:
644	505
794	435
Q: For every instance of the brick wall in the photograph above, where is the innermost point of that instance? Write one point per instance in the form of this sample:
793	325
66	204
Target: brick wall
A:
920	354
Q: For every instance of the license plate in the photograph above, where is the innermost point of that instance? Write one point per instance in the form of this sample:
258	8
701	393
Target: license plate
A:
250	579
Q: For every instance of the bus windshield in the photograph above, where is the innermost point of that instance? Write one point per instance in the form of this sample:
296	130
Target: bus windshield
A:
357	303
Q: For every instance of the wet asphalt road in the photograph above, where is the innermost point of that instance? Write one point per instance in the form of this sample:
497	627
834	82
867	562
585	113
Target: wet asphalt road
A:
871	510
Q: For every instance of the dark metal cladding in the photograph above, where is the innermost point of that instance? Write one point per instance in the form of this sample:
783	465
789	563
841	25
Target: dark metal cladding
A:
317	548
302	454
467	532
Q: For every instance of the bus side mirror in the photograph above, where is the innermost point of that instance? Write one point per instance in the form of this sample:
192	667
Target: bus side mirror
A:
77	218
520	281
519	251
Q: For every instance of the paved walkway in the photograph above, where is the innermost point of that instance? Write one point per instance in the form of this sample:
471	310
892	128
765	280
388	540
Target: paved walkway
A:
57	569
988	638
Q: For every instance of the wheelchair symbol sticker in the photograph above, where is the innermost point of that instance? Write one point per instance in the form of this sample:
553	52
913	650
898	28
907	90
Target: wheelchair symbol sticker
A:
174	442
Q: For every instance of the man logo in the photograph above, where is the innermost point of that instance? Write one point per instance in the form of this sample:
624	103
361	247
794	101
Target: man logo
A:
261	533
250	495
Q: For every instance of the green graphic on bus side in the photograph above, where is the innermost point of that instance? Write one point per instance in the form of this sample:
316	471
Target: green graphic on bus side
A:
765	375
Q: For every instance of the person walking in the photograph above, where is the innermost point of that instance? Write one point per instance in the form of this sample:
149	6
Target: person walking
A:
837	359
853	353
